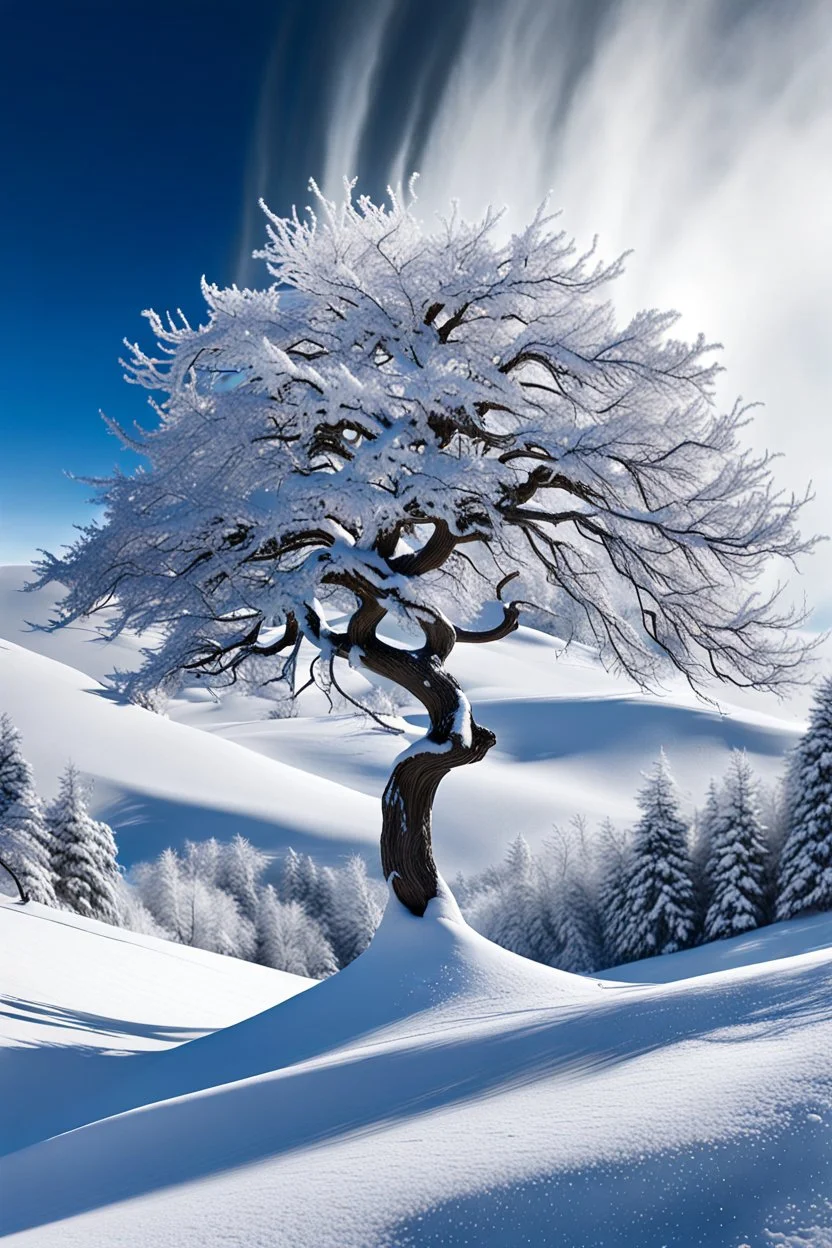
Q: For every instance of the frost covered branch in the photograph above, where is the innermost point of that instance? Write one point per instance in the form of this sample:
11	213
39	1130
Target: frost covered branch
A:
401	422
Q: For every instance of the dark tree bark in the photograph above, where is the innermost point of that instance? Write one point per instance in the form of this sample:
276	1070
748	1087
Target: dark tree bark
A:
407	804
453	739
24	896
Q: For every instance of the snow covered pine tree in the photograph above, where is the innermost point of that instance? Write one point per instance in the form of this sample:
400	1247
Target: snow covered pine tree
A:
404	424
805	876
737	859
85	853
661	907
26	844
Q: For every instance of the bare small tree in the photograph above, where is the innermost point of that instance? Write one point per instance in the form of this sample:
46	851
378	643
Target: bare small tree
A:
404	424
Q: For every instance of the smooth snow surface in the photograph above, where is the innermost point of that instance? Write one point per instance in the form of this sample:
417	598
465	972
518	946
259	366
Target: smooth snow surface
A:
442	1091
81	1003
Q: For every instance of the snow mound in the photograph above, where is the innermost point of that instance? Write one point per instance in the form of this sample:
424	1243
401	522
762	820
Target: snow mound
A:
442	1091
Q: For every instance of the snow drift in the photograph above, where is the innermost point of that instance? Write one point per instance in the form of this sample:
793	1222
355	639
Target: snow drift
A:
440	1090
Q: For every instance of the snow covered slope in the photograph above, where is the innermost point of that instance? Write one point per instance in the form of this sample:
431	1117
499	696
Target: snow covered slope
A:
159	782
571	740
81	1002
442	1091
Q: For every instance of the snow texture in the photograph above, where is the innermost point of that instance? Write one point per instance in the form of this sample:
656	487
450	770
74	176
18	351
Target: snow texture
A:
355	1114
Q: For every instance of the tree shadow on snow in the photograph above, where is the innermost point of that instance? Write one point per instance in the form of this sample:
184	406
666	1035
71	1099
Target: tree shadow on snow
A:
47	1087
369	1088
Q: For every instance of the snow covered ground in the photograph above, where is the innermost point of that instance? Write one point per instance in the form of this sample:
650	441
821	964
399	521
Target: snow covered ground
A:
571	740
438	1091
81	1002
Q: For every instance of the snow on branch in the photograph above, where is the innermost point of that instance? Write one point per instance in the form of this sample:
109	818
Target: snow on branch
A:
408	416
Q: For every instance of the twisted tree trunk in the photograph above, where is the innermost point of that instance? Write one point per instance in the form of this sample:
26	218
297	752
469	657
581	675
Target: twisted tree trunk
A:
407	804
453	740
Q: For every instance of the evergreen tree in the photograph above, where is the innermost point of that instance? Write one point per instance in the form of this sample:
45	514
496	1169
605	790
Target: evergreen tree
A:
737	857
309	890
567	911
578	930
203	859
660	902
514	904
805	876
503	912
289	940
518	900
775	817
352	913
240	868
26	845
85	853
301	880
192	909
706	824
290	886
212	920
134	915
15	772
614	869
159	886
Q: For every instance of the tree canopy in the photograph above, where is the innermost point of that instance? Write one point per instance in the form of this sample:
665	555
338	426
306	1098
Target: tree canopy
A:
408	422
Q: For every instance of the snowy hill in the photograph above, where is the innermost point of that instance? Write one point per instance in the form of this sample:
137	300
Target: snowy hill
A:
443	1091
159	782
439	1090
78	997
571	740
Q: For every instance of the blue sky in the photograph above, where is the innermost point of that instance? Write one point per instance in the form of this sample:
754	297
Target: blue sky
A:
125	132
136	138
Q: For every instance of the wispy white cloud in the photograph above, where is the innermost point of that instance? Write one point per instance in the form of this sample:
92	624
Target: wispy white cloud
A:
351	101
700	135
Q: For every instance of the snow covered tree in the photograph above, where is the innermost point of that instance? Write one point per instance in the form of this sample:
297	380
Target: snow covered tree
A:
301	881
348	912
737	859
182	899
26	844
289	940
86	867
614	865
806	860
512	918
133	914
702	833
213	920
203	859
159	886
513	905
240	868
402	425
572	907
660	902
15	772
775	816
